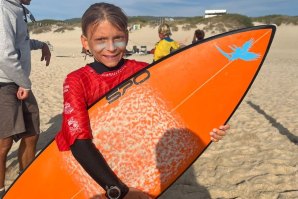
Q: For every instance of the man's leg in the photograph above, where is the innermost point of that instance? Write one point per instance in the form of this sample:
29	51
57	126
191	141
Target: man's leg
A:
27	151
29	139
5	145
11	122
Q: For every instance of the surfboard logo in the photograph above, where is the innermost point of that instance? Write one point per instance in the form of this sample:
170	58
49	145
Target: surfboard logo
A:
120	90
240	52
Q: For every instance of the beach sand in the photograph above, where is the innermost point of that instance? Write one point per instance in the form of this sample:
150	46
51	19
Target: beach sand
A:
259	157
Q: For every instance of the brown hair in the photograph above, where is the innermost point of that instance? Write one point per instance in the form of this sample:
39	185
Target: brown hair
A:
99	12
200	34
164	29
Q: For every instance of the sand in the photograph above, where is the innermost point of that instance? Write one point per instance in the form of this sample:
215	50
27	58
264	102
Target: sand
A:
259	156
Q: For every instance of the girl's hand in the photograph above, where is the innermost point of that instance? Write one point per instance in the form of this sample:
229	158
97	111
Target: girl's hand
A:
218	134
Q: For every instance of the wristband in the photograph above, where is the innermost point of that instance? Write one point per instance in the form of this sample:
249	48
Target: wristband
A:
115	192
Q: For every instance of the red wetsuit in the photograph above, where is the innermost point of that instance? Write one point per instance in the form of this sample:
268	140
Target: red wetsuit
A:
81	89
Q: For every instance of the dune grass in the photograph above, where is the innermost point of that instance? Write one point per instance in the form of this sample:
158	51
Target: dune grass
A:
214	24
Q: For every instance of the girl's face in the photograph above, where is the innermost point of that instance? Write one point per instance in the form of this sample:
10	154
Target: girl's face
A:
161	36
106	43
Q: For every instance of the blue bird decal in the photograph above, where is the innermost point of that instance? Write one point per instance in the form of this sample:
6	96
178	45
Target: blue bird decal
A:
240	52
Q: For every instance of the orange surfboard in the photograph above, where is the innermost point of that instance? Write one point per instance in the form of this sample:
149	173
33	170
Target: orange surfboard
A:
154	125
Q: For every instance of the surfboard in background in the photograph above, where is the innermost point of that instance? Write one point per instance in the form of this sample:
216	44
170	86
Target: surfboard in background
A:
154	125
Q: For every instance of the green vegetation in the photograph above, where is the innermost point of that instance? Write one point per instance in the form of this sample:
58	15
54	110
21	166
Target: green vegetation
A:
64	28
222	23
214	24
277	19
227	22
48	25
142	20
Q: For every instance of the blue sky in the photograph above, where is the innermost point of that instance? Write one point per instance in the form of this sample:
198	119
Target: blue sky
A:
66	9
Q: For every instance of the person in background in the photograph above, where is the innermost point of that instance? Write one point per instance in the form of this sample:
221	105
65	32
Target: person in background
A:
166	44
19	118
105	36
198	35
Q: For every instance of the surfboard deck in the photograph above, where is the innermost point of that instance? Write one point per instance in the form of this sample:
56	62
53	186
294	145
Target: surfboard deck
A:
154	125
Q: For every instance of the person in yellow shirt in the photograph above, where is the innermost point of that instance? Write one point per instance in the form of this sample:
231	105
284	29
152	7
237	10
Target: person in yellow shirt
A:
166	44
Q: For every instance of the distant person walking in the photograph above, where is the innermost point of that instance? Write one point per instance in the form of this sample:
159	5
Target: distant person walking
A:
198	35
166	44
19	118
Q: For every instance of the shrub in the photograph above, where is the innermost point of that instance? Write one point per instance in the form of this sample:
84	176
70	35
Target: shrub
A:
40	29
277	19
174	28
64	28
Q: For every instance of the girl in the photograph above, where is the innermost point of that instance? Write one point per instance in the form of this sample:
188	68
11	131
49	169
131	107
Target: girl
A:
166	44
105	36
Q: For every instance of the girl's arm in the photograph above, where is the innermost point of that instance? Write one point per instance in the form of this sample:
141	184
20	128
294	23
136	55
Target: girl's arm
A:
96	166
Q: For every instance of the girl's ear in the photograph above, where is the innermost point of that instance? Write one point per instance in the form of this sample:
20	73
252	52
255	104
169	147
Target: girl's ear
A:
84	42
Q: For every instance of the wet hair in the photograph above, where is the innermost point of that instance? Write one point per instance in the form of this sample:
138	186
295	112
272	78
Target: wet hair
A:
100	12
164	29
200	34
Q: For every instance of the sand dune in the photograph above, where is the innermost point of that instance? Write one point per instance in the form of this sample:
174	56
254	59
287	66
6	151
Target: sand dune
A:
259	157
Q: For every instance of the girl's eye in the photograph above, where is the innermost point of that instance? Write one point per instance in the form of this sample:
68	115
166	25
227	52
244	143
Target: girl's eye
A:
119	39
101	40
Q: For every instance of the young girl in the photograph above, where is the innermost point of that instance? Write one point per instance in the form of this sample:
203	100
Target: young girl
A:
166	44
105	36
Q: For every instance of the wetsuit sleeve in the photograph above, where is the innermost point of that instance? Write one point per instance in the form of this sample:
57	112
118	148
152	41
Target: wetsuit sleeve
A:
95	165
75	118
157	51
175	45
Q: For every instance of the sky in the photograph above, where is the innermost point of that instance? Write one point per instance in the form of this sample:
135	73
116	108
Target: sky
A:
67	9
